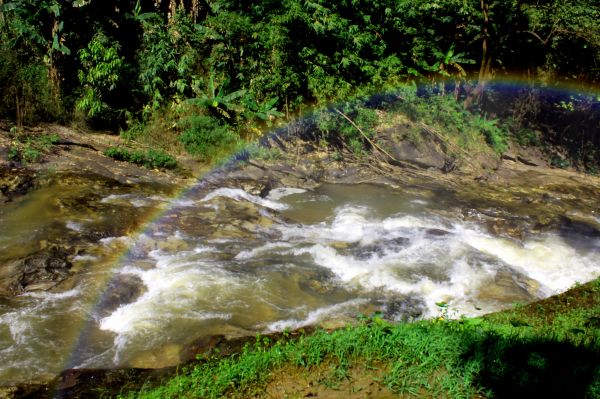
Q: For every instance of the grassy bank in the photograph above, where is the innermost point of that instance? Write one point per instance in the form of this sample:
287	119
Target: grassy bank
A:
546	349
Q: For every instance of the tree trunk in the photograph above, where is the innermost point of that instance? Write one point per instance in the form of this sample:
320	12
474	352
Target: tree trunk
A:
19	111
52	69
486	58
485	70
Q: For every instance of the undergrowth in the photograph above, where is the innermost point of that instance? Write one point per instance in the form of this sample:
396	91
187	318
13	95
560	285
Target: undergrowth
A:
30	148
152	159
515	353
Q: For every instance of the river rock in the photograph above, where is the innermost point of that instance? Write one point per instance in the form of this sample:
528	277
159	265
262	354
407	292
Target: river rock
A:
166	356
40	271
14	182
510	286
417	148
122	289
402	307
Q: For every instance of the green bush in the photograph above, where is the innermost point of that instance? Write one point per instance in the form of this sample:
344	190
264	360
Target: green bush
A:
28	149
151	159
160	159
494	135
205	136
527	137
338	130
448	114
101	72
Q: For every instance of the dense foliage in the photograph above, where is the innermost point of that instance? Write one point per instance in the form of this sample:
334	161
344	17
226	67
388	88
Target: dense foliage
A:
215	71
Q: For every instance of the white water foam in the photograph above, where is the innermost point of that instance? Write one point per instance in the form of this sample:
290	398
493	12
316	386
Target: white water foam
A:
239	195
132	199
547	259
315	316
27	331
428	258
71	225
84	258
451	264
180	287
355	224
274	247
123	240
53	296
279	193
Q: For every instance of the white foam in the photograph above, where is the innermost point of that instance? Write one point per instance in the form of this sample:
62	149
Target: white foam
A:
134	200
459	263
74	226
84	258
547	259
203	249
411	222
114	197
316	316
18	325
178	287
269	247
279	193
241	195
355	224
123	240
53	296
184	203
350	225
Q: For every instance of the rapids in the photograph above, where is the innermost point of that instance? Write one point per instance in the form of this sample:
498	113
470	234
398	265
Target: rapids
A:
227	262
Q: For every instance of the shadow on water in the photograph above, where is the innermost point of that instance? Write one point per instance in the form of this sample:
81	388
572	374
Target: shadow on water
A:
537	368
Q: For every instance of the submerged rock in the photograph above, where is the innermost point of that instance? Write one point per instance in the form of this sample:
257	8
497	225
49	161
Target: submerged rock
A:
40	271
419	149
510	286
14	182
122	289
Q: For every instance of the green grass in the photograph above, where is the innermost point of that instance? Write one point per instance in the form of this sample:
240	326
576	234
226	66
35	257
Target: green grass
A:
547	349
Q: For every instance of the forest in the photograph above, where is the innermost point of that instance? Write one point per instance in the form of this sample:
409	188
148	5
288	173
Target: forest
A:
214	73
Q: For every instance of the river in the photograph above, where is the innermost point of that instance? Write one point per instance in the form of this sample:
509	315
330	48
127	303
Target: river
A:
153	274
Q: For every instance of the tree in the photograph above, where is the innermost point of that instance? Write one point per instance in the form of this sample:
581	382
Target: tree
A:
101	72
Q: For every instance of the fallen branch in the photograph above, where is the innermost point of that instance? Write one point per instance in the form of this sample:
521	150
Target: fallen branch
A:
373	144
441	137
84	145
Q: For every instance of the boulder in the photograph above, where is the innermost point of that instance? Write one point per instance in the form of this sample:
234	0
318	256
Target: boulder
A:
42	270
418	149
14	182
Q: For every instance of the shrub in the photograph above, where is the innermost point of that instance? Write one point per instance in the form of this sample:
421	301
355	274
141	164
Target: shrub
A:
338	130
151	159
28	149
205	136
101	73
